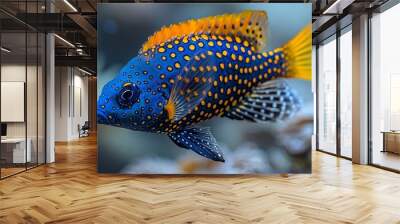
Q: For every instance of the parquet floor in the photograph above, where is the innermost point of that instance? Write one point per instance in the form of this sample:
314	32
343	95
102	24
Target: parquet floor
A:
70	191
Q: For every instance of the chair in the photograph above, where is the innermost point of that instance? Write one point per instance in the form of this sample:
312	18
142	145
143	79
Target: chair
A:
84	130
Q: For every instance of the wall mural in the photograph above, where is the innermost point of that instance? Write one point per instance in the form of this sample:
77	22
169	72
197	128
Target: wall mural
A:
204	88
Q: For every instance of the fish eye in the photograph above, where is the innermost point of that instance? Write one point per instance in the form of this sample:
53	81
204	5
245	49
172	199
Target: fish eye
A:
128	95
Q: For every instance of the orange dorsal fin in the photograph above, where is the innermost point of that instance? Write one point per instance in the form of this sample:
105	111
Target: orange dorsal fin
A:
250	24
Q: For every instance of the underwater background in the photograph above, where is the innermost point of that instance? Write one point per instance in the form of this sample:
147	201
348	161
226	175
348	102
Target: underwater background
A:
283	147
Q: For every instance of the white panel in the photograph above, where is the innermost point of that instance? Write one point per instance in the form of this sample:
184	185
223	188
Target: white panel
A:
12	101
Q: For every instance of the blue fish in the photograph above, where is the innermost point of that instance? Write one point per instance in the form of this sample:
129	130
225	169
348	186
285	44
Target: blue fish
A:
193	71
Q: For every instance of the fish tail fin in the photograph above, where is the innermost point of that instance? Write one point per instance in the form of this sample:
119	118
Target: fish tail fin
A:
298	55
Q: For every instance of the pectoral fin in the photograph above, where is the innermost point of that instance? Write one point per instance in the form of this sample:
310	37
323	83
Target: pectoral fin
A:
191	86
200	141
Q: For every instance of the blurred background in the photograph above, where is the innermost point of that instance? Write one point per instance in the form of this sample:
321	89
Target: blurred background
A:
283	147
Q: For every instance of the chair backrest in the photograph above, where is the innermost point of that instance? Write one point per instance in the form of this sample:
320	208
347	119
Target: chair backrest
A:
86	125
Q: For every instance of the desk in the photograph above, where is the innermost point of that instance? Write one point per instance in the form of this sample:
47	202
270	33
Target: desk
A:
391	141
18	150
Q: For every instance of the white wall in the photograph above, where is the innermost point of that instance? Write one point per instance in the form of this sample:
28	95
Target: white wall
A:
33	126
71	102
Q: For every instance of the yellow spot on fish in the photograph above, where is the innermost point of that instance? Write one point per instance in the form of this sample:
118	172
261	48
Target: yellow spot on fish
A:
234	103
200	44
163	58
238	40
242	49
240	58
218	55
210	43
233	56
172	55
161	50
180	49
186	57
162	76
201	68
219	43
209	53
169	68
205	37
227	45
192	47
169	46
222	65
164	85
215	83
225	53
264	54
214	68
177	65
246	43
235	48
185	39
229	39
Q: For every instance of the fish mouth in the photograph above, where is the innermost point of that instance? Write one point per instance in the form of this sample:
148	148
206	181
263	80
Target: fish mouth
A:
101	117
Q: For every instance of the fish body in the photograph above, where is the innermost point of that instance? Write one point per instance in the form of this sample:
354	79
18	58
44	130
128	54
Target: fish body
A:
175	83
234	68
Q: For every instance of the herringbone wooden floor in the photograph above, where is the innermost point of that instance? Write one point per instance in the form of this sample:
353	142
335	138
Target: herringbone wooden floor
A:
71	191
